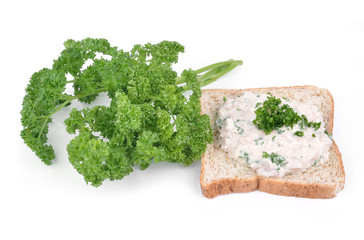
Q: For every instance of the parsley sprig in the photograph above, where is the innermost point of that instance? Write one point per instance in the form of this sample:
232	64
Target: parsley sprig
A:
273	115
148	119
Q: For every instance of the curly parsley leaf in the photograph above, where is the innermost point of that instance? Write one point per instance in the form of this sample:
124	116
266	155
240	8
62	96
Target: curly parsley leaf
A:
44	94
97	160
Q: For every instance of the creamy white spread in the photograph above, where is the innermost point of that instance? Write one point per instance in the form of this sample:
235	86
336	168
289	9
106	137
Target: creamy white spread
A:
276	154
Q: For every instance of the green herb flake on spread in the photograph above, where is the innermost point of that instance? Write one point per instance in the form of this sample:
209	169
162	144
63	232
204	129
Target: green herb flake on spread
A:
238	128
299	133
245	156
259	141
276	159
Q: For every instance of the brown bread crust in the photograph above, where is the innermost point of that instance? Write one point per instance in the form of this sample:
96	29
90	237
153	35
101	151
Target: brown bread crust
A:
229	185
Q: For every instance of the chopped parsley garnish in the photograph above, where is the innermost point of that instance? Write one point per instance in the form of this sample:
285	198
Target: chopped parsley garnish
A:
280	131
273	115
240	129
306	123
316	161
220	121
259	141
299	133
245	156
276	159
328	134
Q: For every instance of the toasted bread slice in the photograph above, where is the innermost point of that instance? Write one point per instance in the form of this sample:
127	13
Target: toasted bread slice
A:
222	175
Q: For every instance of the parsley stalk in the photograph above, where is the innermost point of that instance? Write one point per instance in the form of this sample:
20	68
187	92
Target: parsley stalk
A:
212	72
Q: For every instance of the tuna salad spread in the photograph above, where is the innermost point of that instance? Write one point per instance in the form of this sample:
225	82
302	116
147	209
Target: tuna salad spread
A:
274	136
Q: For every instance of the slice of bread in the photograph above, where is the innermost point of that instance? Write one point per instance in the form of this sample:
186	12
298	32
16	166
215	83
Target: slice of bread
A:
222	175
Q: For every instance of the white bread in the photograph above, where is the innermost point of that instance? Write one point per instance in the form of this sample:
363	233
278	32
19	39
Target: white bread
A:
222	175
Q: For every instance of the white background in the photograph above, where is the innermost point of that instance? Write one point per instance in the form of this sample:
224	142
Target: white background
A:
282	43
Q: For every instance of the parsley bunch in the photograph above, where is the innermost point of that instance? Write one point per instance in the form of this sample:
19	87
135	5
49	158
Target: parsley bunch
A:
149	118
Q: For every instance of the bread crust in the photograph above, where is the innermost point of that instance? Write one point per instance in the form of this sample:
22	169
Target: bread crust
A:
229	185
277	186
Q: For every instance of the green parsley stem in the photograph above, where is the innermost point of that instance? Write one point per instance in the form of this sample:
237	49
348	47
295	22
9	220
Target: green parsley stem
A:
49	115
216	65
216	70
71	98
211	73
222	71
